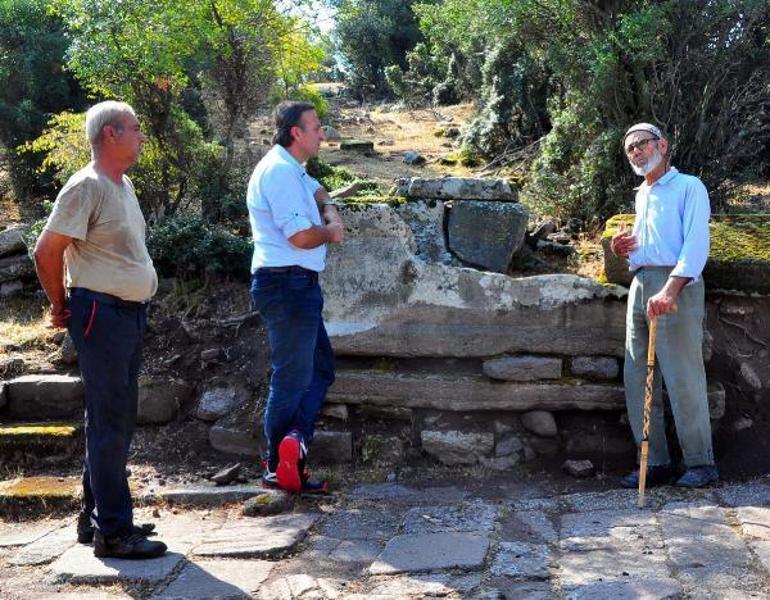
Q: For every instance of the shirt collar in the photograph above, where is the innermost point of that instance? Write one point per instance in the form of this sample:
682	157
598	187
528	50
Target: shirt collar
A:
665	178
286	155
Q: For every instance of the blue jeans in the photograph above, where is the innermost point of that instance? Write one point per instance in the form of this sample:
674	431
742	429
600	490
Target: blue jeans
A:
290	302
107	334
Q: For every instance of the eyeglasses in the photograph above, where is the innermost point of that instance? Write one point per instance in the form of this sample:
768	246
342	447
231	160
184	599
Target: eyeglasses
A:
641	144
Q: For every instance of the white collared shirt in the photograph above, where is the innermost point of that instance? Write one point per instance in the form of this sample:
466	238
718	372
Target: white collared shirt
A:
281	203
672	225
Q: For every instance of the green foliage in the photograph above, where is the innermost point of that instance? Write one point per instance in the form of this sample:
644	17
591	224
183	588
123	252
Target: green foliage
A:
185	245
331	177
32	81
62	144
371	35
307	93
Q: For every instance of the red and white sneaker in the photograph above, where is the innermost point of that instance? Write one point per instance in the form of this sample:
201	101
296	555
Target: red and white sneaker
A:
291	451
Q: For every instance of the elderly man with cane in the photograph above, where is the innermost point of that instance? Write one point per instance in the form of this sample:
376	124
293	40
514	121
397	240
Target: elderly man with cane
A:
667	251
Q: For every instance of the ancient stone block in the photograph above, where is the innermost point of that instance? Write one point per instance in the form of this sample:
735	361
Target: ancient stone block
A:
41	397
457	447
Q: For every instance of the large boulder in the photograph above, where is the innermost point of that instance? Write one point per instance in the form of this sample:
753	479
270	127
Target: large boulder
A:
16	267
160	400
12	240
217	401
41	397
426	220
739	258
380	300
487	233
458	188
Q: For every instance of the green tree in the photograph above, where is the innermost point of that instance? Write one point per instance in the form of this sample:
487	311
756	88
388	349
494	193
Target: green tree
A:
33	84
371	35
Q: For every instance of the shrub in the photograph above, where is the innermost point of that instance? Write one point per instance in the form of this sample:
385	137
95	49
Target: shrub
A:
185	245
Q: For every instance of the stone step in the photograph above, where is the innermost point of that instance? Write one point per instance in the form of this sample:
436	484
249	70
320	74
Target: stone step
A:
25	497
53	441
42	396
467	393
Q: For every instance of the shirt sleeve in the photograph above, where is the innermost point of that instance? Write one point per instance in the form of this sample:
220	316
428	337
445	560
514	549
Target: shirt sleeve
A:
284	191
695	232
74	210
313	184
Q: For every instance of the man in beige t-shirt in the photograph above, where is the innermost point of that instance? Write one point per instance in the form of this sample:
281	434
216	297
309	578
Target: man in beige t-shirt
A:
93	264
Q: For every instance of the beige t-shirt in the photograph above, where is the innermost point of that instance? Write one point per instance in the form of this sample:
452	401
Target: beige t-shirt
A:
108	253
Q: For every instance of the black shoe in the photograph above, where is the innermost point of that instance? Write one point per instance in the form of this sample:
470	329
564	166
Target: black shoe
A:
656	475
132	546
86	530
697	477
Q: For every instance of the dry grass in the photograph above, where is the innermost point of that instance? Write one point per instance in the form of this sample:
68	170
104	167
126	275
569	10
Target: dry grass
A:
24	324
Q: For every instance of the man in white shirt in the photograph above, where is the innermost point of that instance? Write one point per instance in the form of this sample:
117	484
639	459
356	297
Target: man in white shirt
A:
667	251
292	219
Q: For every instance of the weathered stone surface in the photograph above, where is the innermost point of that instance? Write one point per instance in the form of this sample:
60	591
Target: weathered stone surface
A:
68	354
593	530
457	188
382	300
434	585
160	400
205	579
412	157
595	367
41	438
487	234
331	447
46	548
227	474
522	368
361	524
363	146
658	588
302	586
426	220
217	402
10	288
540	422
258	538
508	444
19	534
520	560
457	447
578	569
532	526
431	551
40	397
356	551
16	267
268	502
382	449
12	240
461	393
331	134
335	411
79	565
475	516
501	463
232	440
755	521
210	494
579	468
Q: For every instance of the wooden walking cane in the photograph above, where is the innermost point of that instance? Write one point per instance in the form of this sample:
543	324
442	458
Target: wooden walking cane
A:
645	447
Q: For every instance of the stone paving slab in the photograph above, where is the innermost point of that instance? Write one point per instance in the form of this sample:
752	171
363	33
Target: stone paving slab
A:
301	586
520	560
747	494
663	588
257	538
431	551
361	524
611	563
46	548
475	516
528	526
356	551
208	494
581	532
397	494
19	534
79	565
221	579
417	586
755	521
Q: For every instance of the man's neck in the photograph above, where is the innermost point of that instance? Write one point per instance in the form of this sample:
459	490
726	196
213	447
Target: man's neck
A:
657	172
110	169
297	154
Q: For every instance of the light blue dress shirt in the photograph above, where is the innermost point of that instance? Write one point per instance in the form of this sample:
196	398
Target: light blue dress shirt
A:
672	225
281	203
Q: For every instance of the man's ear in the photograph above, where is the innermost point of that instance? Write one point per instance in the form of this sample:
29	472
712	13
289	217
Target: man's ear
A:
664	146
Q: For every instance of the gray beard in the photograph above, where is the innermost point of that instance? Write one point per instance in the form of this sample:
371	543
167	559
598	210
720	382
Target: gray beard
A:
651	164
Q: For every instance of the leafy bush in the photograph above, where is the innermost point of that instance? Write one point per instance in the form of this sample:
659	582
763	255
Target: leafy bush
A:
329	176
185	245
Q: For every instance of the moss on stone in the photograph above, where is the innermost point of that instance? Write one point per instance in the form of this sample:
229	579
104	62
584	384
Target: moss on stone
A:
44	430
40	487
364	201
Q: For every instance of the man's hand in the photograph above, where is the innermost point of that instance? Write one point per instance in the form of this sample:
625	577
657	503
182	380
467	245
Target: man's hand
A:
336	232
330	215
59	316
665	300
623	242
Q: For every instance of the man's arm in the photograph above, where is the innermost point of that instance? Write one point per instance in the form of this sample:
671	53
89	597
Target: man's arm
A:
665	300
307	239
49	262
328	211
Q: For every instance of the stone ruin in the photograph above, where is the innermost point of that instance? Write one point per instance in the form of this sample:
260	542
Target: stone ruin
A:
442	353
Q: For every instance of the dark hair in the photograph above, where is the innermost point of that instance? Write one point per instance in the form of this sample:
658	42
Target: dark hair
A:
287	115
